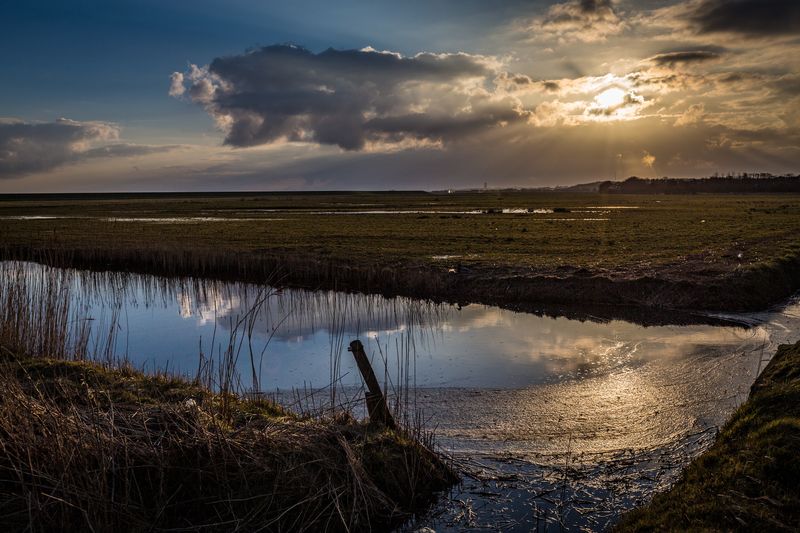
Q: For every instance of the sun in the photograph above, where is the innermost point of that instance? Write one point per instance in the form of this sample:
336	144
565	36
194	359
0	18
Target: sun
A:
610	98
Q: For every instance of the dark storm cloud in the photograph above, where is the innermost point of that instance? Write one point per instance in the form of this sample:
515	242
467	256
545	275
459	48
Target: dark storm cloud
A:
758	18
442	127
27	147
347	98
590	6
582	11
579	20
284	66
685	56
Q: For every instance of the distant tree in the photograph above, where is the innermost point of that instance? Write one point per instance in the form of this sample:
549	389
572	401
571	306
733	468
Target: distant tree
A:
731	183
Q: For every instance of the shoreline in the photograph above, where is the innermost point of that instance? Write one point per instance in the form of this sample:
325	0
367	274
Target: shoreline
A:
747	480
657	298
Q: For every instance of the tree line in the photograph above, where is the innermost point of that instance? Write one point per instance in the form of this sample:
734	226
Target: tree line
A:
740	183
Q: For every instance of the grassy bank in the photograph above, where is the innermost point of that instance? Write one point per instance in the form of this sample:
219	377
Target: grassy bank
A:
90	447
717	252
83	447
748	480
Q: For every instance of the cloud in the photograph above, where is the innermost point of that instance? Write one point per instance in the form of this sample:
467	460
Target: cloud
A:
692	115
176	87
648	159
685	56
513	83
787	85
127	150
617	103
28	147
514	156
579	20
754	18
353	99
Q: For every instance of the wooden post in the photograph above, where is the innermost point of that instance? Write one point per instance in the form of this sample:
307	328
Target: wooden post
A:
376	401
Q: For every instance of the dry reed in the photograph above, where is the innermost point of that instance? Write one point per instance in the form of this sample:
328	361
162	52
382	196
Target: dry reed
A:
99	446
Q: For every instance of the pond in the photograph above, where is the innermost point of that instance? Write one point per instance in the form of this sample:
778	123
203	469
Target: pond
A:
556	423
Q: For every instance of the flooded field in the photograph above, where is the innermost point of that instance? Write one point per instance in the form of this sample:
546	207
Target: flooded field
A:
554	422
255	215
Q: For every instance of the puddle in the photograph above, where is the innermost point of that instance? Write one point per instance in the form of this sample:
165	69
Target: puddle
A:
33	217
150	220
579	219
185	220
611	207
368	211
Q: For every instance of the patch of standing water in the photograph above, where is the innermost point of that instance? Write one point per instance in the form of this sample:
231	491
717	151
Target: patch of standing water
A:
31	217
366	211
150	220
611	207
185	220
553	422
207	219
578	219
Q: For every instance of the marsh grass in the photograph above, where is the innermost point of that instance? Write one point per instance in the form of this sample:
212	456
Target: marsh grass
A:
88	448
329	226
89	443
720	252
37	317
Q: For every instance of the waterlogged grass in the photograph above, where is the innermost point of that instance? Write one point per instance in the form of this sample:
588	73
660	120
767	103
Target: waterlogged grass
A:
86	447
749	479
715	233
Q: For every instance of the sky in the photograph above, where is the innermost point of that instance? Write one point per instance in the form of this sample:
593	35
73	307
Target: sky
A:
170	95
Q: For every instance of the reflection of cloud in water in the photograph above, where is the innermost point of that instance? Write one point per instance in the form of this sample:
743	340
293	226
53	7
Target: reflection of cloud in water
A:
476	346
471	347
214	304
296	315
491	381
529	348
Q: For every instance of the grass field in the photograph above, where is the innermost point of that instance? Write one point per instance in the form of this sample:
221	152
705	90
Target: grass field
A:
690	240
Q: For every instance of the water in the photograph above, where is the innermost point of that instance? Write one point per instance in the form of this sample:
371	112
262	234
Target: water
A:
554	422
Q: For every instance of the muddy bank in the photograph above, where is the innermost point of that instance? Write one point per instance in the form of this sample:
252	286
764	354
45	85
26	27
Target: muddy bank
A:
674	294
748	479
